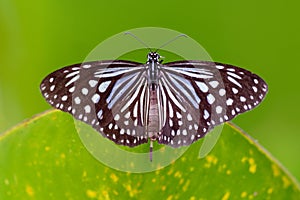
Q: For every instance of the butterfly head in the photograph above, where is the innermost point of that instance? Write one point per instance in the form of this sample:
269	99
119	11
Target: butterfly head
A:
153	57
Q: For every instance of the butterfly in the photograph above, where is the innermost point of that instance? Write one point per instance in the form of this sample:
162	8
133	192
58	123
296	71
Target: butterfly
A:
175	103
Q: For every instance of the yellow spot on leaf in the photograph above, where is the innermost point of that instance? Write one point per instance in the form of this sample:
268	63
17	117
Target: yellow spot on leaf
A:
170	197
186	185
115	192
91	193
286	182
192	169
63	156
163	188
210	159
29	190
47	148
177	174
105	195
153	180
244	159
252	164
270	191
183	158
170	171
226	196
132	192
114	178
252	168
243	194
275	169
192	198
157	172
251	152
228	172
181	181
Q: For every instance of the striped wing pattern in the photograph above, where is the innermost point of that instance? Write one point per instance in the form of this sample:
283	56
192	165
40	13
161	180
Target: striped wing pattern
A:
108	95
114	98
199	95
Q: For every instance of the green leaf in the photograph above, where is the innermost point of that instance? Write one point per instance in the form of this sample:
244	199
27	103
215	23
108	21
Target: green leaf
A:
44	158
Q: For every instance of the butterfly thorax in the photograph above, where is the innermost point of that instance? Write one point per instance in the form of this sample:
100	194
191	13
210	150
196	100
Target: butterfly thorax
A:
153	63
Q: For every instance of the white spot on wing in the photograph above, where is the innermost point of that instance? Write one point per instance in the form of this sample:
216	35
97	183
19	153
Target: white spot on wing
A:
86	66
117	117
64	98
222	92
229	102
92	83
254	88
52	88
103	86
96	98
210	98
189	117
87	109
234	90
206	114
203	87
77	100
219	109
84	91
214	84
72	89
243	99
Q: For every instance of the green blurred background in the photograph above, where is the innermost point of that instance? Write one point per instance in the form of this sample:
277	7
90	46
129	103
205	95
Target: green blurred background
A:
37	37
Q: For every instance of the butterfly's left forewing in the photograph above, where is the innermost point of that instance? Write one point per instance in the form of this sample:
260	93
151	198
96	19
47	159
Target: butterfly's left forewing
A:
108	95
199	95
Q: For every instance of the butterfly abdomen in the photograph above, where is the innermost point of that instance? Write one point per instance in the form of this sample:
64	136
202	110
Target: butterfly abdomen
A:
153	117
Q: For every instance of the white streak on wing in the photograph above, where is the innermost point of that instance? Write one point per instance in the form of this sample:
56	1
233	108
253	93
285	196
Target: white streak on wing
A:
234	75
75	78
171	112
132	98
72	74
135	109
192	72
234	81
174	79
142	101
164	106
112	72
112	98
171	95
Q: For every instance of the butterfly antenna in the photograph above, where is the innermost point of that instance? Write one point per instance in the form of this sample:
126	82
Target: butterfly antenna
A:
138	39
172	40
